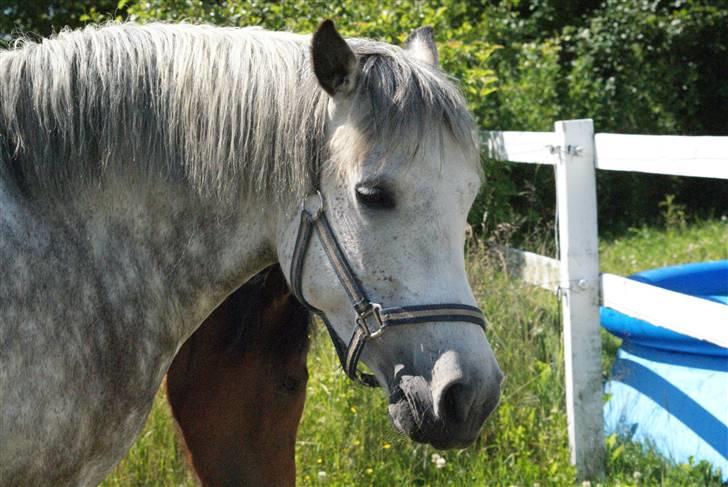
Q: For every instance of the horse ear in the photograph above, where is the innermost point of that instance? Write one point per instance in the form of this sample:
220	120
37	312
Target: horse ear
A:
420	44
334	63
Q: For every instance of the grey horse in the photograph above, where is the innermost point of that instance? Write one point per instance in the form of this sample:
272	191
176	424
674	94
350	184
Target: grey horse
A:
146	172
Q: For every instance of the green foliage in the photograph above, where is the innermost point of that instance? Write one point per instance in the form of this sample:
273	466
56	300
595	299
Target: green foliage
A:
634	66
632	464
673	213
42	18
651	67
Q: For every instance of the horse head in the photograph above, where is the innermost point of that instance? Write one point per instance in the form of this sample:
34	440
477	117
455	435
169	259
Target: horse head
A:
390	207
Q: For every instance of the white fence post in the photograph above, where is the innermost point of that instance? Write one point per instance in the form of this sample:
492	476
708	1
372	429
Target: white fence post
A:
579	275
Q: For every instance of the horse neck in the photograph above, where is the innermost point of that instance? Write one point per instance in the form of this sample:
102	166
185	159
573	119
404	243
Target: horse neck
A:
183	253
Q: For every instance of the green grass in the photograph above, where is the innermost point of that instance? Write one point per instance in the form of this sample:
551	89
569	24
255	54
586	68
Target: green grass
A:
346	439
645	247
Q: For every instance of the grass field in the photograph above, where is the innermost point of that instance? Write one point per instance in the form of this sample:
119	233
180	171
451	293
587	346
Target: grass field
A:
346	439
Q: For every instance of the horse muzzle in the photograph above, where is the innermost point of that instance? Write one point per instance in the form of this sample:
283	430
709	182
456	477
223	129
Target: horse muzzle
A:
449	410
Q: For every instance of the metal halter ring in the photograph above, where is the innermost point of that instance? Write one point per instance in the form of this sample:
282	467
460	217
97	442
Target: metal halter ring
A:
362	320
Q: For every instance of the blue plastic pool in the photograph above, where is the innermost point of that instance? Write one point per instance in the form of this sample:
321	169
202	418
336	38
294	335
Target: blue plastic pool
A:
668	390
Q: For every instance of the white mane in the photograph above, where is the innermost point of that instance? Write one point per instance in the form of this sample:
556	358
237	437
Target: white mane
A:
227	109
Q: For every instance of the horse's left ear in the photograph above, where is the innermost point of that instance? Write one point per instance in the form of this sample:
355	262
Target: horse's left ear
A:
420	44
334	63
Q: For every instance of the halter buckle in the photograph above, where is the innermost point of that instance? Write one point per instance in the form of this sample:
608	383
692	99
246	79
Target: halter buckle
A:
313	205
364	320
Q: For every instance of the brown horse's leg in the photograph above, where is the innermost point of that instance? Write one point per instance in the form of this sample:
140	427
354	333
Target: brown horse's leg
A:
238	385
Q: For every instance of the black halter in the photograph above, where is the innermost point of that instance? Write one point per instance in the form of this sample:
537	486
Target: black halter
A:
371	319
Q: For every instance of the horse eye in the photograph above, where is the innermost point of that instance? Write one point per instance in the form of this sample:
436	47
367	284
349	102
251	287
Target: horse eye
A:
290	384
375	197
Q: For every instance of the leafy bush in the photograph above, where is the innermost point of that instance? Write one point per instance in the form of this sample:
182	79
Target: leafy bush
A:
42	18
634	66
652	67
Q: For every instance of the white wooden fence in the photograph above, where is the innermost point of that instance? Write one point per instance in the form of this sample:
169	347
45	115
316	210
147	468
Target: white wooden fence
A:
576	152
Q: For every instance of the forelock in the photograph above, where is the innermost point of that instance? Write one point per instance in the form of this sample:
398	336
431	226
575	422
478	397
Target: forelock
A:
405	106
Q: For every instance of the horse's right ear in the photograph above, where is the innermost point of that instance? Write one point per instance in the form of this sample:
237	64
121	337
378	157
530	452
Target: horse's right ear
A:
334	63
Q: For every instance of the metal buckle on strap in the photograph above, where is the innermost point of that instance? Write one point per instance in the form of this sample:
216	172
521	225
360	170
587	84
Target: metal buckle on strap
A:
313	205
364	320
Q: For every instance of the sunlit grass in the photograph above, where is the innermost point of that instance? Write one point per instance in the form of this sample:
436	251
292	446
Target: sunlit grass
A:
346	439
646	248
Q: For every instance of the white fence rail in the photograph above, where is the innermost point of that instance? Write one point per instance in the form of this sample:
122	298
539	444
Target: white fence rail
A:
535	147
576	152
535	269
676	155
705	157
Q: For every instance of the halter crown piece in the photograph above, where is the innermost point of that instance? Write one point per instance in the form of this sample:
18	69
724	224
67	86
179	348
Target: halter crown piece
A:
371	318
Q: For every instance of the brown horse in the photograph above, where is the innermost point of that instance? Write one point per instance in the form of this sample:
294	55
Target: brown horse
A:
237	386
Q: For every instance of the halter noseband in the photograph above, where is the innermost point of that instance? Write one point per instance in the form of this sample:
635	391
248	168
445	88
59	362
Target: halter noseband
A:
371	319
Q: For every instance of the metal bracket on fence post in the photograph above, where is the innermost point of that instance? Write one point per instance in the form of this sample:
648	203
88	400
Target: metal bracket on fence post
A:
578	244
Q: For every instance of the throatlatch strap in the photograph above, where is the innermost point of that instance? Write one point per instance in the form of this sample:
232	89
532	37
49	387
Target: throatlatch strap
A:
339	345
371	319
297	259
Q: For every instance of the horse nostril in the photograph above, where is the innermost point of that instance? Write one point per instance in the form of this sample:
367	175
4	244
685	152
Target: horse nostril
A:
455	403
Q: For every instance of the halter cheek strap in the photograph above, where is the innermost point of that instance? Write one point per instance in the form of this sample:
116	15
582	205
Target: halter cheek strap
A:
370	318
